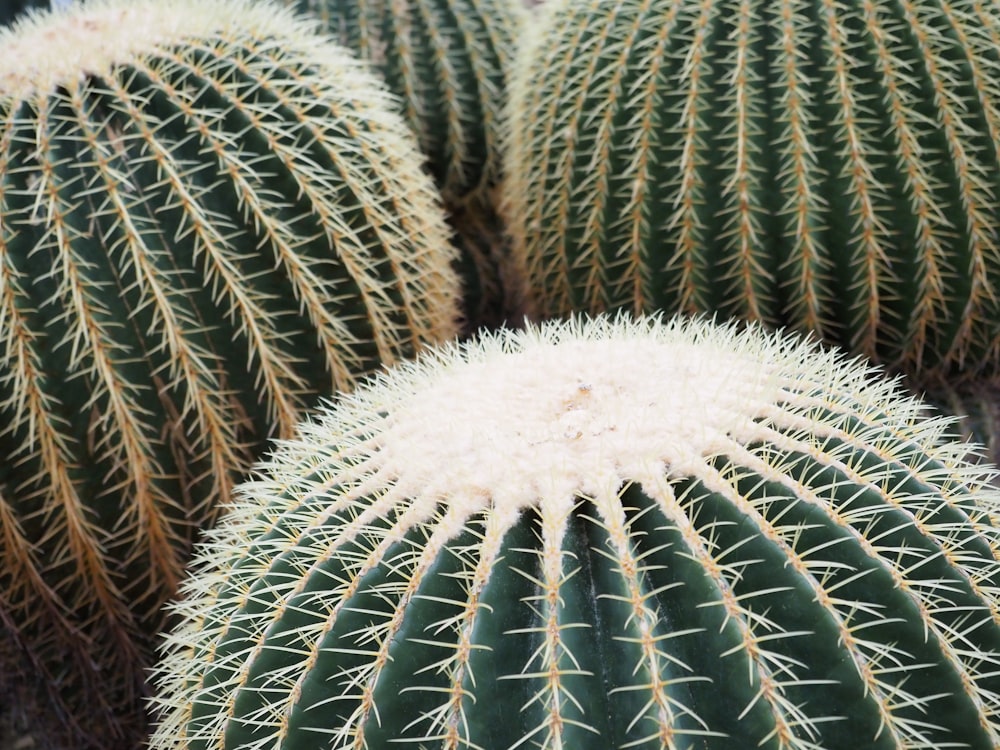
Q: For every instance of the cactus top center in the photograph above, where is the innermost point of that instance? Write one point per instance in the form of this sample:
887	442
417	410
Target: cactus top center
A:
46	50
551	422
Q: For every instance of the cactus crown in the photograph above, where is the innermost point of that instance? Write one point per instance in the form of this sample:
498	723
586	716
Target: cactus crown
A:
600	534
38	54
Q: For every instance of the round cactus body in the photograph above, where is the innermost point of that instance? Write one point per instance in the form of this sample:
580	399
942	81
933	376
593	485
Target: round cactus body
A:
826	166
448	61
209	215
600	534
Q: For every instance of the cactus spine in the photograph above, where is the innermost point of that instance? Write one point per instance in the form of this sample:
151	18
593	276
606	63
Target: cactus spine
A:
448	61
208	216
11	10
822	165
975	405
600	534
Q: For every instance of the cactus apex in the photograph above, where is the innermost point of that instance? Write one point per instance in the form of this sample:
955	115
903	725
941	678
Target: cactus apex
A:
45	49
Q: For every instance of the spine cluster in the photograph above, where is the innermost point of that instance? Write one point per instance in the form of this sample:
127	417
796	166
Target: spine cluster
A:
449	62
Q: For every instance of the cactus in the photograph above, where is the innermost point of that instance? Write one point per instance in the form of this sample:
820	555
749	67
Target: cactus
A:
826	166
600	534
209	215
448	61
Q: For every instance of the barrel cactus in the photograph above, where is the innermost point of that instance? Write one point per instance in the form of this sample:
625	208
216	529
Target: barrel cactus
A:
448	61
826	166
600	534
209	215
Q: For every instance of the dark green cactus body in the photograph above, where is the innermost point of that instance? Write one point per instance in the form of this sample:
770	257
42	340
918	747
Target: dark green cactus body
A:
826	166
448	61
208	217
649	536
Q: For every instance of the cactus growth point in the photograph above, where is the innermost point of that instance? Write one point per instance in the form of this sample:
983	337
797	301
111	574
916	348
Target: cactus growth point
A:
209	215
826	166
598	535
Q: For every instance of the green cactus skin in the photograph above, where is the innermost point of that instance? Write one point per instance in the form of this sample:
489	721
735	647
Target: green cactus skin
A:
449	62
209	215
826	166
597	535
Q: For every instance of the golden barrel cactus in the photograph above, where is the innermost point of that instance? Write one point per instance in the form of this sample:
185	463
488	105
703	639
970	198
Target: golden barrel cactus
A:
828	166
594	535
209	215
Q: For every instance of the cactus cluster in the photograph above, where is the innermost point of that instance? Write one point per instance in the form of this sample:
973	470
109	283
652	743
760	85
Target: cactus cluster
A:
607	532
600	535
209	216
827	166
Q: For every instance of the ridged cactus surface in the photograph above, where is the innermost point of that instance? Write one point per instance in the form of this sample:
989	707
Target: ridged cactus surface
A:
209	215
599	535
830	166
448	61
